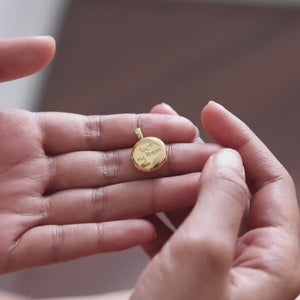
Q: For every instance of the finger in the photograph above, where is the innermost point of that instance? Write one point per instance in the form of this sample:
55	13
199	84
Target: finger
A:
223	198
208	236
163	234
96	169
134	199
24	56
175	217
274	201
54	243
166	109
69	132
202	249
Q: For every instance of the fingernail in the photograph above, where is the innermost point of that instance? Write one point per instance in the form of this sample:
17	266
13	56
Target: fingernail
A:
216	103
173	111
229	158
197	134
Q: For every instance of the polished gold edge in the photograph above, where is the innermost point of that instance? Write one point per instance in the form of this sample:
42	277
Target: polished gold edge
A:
156	168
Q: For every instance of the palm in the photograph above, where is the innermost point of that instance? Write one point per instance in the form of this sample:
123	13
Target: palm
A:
255	266
24	175
63	189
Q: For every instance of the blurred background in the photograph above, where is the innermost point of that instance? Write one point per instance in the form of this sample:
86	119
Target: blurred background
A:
119	56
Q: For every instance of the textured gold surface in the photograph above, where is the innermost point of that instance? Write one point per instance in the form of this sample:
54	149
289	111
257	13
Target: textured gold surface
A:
149	154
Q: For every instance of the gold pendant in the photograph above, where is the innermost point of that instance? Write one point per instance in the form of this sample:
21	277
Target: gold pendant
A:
149	154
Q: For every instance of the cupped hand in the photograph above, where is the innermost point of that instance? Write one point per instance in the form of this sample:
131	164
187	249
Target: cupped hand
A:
67	183
209	256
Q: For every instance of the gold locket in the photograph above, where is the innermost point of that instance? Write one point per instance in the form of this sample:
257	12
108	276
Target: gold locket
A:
149	154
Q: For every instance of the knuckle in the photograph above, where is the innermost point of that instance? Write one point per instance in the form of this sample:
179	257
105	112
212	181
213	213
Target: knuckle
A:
109	166
290	181
228	174
52	171
100	227
57	241
93	130
232	185
209	250
45	211
171	154
245	142
99	200
216	250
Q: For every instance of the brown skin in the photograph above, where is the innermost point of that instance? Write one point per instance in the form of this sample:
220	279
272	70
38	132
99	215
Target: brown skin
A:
207	258
121	295
68	186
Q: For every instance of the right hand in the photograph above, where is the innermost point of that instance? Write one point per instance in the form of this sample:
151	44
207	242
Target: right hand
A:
208	256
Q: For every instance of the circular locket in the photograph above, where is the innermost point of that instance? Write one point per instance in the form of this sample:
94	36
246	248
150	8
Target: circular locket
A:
149	154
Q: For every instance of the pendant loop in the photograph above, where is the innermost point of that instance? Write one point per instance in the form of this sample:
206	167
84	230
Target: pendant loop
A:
139	133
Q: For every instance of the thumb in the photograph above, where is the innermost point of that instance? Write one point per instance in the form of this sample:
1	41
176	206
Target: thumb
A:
208	236
195	262
223	198
24	56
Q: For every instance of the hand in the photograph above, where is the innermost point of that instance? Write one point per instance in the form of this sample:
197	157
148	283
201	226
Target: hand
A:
174	217
65	179
207	258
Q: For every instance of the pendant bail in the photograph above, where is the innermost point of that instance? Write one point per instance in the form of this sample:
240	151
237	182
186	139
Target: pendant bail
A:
139	133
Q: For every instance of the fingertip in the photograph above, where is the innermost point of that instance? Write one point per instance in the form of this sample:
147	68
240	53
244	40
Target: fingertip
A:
47	39
195	131
148	228
163	108
197	135
212	103
156	109
210	108
124	234
222	125
142	230
166	109
45	47
169	128
20	57
229	159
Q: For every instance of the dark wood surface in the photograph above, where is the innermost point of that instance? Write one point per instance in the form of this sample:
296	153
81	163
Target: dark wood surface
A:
126	56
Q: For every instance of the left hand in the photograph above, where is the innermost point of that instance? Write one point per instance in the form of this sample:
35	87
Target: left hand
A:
68	188
207	258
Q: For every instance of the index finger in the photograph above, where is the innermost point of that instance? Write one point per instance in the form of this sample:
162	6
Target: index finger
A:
274	201
65	132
